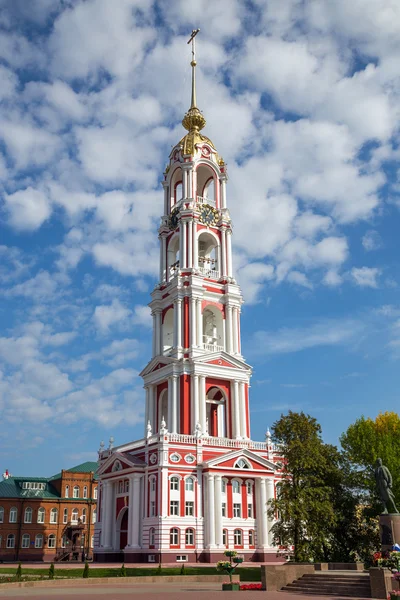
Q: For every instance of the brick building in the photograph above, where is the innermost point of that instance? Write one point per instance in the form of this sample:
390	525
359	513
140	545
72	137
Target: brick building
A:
48	518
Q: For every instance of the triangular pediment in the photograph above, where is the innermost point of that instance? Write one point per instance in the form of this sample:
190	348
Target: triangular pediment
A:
255	461
118	463
222	359
156	364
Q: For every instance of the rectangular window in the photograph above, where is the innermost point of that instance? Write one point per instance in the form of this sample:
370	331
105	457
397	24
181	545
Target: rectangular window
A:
223	486
249	487
224	509
10	541
126	486
237	512
153	508
181	558
39	541
251	537
250	511
120	487
189	509
174	508
224	537
153	484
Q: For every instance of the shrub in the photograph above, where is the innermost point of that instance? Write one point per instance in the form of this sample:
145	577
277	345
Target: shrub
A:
159	570
51	571
122	572
183	570
18	574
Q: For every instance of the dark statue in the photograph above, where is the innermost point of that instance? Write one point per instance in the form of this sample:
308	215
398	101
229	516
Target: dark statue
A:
384	484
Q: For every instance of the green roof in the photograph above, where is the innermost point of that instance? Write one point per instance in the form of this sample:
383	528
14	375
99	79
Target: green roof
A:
12	487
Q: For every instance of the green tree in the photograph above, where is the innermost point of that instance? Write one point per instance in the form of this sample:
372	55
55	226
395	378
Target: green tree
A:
368	439
122	572
18	574
51	571
85	573
304	501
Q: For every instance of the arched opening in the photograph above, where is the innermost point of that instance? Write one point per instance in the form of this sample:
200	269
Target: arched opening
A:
176	188
206	179
209	255
122	528
168	331
213	329
215	413
163	408
173	257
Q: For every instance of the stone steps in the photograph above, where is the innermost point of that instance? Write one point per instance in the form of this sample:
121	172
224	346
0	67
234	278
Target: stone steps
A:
340	584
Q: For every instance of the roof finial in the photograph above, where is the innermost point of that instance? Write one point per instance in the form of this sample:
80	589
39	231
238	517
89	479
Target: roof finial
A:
193	65
193	120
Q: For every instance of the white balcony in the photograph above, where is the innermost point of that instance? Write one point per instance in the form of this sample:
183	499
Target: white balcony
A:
212	347
205	200
210	273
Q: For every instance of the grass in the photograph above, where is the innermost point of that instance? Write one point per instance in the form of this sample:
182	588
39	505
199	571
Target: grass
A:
252	574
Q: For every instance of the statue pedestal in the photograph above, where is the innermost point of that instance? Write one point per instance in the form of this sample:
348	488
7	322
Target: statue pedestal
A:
389	526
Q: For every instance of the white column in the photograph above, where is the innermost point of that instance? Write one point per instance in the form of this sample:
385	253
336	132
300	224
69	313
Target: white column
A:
158	332
211	511
184	245
179	324
223	252
235	335
166	197
195	401
193	322
242	405
236	413
190	245
192	179
109	514
218	511
174	411
175	326
152	407
184	183
146	410
154	334
228	328
164	492
269	496
181	243
195	247
170	402
161	276
262	515
199	324
223	193
229	252
134	511
103	514
202	402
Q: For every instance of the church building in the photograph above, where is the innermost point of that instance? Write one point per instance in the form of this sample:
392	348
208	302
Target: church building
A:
196	483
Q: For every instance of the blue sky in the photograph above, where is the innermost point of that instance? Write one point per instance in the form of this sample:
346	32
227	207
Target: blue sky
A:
302	101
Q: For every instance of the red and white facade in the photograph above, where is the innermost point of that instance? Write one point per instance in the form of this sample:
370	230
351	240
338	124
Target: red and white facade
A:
196	483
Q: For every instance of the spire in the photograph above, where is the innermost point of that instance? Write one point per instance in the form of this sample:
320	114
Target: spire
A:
193	120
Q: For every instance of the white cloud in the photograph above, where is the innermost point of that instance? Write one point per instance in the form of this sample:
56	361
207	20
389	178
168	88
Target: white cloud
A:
299	279
105	316
366	276
28	209
371	240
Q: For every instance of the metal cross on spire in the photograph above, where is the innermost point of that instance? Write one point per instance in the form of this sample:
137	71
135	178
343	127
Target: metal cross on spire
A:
193	65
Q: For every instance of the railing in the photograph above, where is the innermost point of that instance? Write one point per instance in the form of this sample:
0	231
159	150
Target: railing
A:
183	438
211	273
212	347
204	200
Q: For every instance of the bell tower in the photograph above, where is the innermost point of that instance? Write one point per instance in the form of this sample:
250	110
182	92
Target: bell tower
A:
197	381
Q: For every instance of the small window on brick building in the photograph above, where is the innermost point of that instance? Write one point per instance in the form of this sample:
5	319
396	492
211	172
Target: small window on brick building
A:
51	542
1	514
85	491
28	515
10	540
76	491
13	515
39	540
174	537
41	513
53	515
26	540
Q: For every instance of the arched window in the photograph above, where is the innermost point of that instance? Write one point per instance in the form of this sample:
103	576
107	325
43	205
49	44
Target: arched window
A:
174	537
152	536
235	487
76	491
173	257
85	491
39	540
95	493
10	540
223	486
51	542
53	515
242	464
1	514
41	515
238	537
225	537
92	541
189	484
28	515
1	540
168	331
178	192
189	537
174	484
251	537
65	515
205	184
209	192
13	515
74	517
64	540
163	407
84	515
67	491
26	540
208	254
94	516
215	412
